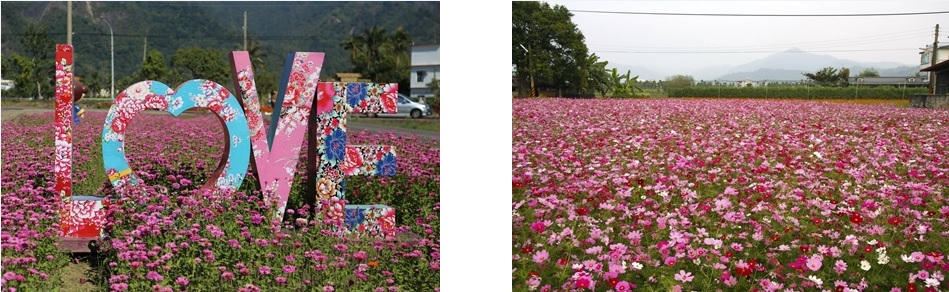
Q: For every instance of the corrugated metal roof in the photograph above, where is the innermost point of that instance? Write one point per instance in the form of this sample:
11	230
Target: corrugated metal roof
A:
938	67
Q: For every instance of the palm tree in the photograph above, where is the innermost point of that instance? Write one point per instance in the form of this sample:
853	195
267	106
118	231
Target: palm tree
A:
351	45
378	56
257	54
598	78
401	42
623	85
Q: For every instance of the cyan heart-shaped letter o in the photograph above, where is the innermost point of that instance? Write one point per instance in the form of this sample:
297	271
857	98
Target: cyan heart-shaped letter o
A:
156	95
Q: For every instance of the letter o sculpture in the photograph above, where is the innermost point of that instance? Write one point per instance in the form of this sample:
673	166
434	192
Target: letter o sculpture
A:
156	95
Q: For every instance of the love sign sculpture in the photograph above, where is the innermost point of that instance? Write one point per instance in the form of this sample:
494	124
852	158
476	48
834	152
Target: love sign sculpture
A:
272	155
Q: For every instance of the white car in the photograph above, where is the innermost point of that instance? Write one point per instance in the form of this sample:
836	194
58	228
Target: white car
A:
408	108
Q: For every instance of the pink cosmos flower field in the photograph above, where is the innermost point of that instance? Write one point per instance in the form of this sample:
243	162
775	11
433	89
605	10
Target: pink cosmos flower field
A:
728	195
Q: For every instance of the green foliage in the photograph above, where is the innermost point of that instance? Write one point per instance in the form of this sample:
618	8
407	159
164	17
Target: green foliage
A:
281	27
266	82
32	71
677	82
201	63
555	50
623	85
869	72
598	79
830	77
20	70
435	102
381	58
881	92
155	67
95	82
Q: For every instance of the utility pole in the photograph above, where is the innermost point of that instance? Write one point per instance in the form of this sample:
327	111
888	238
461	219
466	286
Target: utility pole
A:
245	30
932	75
111	49
144	50
530	63
69	22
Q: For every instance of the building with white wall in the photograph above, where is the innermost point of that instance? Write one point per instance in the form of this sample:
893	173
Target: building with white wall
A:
925	58
425	68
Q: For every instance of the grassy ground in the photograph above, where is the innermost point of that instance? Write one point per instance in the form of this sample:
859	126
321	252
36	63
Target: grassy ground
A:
405	123
26	103
893	102
101	103
73	276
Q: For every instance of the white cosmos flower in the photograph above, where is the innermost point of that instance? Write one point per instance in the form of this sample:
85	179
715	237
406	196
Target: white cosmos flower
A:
932	282
637	265
817	280
865	265
906	258
883	259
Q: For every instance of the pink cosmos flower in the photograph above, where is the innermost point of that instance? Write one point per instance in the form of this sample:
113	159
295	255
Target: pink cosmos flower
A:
582	282
623	286
684	276
815	262
538	227
541	256
730	191
917	257
840	266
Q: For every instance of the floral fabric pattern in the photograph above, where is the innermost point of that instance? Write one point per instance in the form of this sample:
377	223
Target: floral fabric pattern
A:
370	219
277	151
156	95
333	158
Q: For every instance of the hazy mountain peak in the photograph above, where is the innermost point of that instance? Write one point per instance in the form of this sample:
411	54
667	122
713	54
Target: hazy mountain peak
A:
789	64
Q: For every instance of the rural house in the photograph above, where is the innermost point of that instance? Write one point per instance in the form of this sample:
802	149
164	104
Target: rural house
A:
941	97
425	68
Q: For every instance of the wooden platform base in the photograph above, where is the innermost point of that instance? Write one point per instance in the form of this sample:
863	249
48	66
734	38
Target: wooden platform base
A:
78	244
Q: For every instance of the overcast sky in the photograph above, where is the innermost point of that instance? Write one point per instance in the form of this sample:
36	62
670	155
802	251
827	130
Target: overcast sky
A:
645	40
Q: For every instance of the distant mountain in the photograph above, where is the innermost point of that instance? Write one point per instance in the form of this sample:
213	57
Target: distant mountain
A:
899	71
765	74
789	66
713	72
796	59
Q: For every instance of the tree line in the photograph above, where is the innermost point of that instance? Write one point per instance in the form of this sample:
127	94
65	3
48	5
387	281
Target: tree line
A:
377	55
548	48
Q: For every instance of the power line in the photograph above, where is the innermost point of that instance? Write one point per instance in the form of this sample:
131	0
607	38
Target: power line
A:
746	52
802	45
900	34
276	37
759	15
